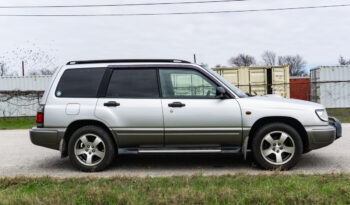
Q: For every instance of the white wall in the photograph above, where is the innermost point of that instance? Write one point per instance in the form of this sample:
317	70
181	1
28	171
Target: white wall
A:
331	86
25	104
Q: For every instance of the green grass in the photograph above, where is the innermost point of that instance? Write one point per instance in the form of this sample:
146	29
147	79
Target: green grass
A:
7	123
235	189
342	114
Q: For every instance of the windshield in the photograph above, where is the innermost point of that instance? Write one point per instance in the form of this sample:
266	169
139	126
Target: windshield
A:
237	91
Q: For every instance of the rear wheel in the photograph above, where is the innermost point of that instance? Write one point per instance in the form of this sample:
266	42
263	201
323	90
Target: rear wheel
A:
91	148
277	145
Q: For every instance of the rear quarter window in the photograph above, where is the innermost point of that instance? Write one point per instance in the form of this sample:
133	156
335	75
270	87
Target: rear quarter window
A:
80	82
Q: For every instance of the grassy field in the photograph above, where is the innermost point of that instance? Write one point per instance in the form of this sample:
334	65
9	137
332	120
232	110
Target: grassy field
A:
17	123
236	189
343	114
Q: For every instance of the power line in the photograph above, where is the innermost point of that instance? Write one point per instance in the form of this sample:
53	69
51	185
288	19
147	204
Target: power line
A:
119	5
178	13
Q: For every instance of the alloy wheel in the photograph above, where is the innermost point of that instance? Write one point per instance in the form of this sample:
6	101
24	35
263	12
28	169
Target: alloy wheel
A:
89	149
277	147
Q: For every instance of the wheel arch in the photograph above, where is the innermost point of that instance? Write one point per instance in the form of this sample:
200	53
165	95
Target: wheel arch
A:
287	120
73	126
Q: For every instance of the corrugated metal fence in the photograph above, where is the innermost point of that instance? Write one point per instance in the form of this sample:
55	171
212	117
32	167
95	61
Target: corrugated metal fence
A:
20	96
330	86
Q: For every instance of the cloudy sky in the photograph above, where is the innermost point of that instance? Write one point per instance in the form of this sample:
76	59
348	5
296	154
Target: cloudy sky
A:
319	35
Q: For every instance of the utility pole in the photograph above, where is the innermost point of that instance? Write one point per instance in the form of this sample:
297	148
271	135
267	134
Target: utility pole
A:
194	58
22	68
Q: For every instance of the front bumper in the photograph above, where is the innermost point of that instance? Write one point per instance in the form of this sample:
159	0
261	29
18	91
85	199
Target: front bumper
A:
47	137
321	136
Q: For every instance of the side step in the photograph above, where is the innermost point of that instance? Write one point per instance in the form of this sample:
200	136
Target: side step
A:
179	150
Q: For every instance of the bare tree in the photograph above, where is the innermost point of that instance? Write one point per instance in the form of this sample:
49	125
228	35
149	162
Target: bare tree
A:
3	69
269	58
343	61
36	60
242	60
204	65
296	64
42	71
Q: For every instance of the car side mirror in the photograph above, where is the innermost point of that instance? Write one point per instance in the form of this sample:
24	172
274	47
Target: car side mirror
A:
220	92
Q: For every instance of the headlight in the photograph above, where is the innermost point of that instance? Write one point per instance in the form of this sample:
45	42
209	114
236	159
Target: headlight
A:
322	114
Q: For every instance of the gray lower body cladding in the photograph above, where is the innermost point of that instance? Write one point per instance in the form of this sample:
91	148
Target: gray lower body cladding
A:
47	137
320	136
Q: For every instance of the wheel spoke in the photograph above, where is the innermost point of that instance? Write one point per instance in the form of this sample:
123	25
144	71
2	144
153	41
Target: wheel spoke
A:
267	152
96	141
80	151
100	154
84	140
288	149
279	157
269	139
89	159
283	137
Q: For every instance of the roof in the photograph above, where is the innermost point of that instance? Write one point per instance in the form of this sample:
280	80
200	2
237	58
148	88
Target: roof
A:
251	67
336	66
299	77
127	61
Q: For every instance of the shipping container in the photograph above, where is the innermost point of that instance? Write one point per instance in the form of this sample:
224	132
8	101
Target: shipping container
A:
300	88
330	86
20	95
258	80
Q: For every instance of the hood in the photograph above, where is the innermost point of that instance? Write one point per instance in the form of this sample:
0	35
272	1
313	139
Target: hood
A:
277	102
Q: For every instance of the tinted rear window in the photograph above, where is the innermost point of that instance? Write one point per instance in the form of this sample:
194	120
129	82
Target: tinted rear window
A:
81	82
133	83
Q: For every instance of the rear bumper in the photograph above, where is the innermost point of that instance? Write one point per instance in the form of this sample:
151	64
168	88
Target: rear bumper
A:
321	136
47	137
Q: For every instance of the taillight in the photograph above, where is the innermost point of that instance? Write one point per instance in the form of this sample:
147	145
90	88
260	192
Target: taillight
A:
40	117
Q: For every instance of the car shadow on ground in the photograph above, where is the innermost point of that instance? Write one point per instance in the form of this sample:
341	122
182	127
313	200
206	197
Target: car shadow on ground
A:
181	163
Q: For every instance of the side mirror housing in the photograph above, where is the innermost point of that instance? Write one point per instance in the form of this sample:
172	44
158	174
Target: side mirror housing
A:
220	92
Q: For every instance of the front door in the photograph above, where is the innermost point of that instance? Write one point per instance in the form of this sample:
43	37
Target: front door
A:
193	114
132	107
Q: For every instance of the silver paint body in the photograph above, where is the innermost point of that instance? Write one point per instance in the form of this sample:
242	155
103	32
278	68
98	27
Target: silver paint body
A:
150	122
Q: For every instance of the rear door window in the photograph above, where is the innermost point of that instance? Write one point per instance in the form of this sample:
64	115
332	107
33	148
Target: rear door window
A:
80	82
133	83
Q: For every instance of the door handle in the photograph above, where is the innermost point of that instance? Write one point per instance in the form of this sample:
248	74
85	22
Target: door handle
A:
111	104
176	104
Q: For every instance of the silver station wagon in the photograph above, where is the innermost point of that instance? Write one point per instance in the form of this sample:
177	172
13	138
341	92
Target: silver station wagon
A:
95	110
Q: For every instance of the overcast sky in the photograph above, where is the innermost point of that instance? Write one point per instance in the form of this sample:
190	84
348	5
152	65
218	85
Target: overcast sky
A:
319	35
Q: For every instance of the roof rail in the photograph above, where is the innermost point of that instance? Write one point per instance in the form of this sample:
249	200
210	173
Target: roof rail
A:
128	61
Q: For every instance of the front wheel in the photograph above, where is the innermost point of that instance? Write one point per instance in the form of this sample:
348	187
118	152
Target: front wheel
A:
91	148
277	146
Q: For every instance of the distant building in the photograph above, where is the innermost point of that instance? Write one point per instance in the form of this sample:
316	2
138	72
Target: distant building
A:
258	80
330	86
300	87
20	96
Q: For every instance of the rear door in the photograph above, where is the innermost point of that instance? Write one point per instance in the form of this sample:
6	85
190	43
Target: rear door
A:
193	114
132	107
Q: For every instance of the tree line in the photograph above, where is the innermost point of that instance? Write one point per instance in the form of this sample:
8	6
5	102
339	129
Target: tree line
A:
269	58
39	62
35	61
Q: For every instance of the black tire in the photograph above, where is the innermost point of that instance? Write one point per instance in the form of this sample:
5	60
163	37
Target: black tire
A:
290	159
109	148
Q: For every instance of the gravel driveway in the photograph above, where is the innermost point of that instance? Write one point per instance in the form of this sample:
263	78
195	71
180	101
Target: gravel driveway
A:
21	157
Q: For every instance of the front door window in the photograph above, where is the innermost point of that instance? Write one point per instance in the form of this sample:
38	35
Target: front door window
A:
180	83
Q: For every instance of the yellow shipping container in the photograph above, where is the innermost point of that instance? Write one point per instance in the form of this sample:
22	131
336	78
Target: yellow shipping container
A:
258	80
